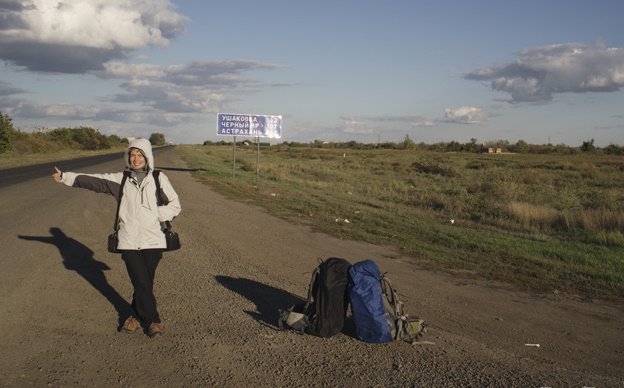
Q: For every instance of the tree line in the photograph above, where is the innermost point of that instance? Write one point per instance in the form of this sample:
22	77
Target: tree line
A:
472	146
45	140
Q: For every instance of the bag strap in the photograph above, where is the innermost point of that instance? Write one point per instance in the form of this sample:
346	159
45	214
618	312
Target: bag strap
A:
121	186
405	330
388	289
159	198
401	318
315	274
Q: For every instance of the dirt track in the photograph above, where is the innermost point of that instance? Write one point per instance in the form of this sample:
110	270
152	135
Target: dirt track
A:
61	295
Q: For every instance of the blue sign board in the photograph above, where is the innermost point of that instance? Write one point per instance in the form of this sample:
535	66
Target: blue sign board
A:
229	124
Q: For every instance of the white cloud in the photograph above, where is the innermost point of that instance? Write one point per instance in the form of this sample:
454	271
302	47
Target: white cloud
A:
165	94
6	89
566	68
464	115
425	123
212	73
28	109
356	127
171	98
74	36
198	86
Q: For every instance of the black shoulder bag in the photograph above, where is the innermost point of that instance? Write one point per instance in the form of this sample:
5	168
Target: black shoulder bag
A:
173	239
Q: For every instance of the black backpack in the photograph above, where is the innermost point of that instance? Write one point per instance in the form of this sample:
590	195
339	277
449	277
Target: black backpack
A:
323	313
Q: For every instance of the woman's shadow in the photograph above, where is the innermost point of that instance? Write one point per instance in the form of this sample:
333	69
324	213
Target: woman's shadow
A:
78	257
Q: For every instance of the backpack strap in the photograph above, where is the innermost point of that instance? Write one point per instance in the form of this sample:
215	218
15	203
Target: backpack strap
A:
303	313
315	274
408	329
388	289
397	306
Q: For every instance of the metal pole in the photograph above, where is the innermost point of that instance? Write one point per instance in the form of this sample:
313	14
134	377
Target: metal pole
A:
258	160
234	159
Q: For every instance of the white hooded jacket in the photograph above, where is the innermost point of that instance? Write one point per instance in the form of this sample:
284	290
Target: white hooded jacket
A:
139	215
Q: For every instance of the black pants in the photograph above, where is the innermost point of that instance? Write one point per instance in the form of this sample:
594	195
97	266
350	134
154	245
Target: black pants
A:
141	266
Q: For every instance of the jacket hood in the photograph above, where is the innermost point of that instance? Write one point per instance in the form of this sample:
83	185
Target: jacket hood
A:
146	147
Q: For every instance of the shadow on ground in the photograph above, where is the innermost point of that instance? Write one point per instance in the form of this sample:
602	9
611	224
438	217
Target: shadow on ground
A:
268	300
79	258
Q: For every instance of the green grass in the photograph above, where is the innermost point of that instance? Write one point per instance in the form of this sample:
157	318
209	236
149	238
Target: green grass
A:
544	223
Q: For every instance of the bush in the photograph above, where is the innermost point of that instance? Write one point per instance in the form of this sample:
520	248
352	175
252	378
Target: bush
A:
85	138
614	149
34	145
6	131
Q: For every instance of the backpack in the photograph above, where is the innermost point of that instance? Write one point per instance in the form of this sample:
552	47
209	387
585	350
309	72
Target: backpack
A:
324	311
377	312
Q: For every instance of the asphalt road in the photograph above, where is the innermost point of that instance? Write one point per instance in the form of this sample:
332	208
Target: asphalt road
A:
15	175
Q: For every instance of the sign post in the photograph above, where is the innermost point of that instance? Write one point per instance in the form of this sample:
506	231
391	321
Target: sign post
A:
258	159
230	124
234	158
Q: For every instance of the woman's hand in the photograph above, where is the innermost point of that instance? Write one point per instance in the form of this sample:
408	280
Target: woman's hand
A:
57	175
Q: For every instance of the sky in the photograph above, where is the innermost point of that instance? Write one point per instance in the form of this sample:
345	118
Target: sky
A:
369	71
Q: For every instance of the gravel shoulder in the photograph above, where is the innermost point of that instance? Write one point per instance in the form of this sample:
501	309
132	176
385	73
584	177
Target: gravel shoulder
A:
62	295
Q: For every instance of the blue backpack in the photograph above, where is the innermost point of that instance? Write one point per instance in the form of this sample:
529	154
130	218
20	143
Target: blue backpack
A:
377	313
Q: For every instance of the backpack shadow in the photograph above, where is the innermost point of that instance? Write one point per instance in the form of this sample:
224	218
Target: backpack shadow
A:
268	300
349	326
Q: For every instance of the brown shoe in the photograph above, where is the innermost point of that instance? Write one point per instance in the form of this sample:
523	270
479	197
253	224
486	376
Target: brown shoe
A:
130	326
154	330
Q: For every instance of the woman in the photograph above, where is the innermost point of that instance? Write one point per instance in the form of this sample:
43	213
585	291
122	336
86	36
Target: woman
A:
141	239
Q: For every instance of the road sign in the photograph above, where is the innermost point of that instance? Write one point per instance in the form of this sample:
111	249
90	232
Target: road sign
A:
229	124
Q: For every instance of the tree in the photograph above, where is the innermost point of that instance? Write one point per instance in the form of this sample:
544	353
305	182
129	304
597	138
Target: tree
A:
588	146
90	139
520	147
614	149
472	146
453	146
6	131
114	139
408	143
157	139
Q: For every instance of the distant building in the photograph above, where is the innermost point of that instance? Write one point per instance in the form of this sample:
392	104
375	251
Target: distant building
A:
490	150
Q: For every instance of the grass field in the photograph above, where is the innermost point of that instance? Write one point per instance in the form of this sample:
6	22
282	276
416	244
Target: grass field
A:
545	223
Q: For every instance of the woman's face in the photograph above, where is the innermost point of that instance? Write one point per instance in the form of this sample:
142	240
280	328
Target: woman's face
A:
137	161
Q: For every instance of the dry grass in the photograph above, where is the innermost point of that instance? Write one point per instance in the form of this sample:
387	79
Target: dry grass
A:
532	215
541	222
